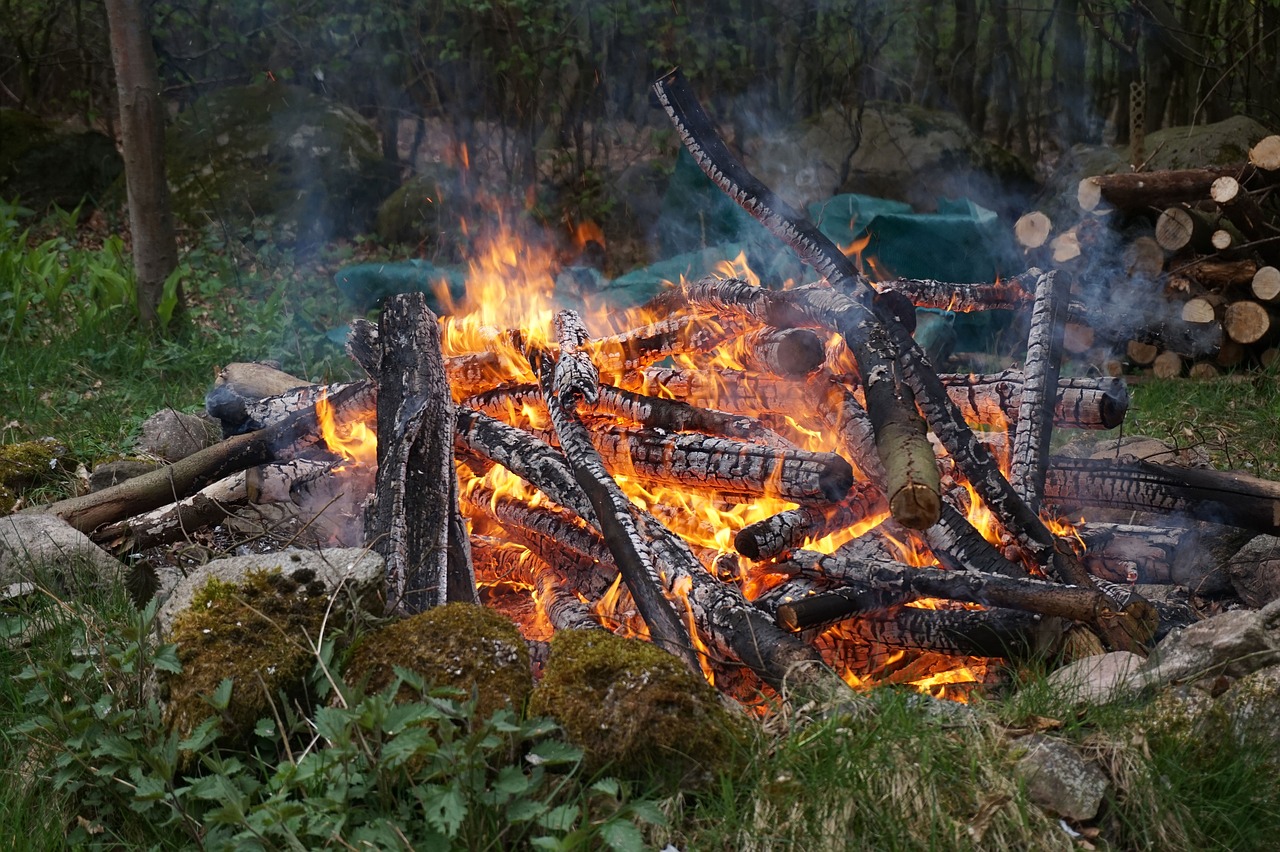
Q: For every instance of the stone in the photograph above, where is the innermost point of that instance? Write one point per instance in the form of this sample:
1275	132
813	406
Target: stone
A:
459	645
42	164
258	621
27	464
33	540
358	572
634	708
422	210
116	471
1252	708
906	152
291	165
1059	778
1233	644
1254	571
1096	680
172	436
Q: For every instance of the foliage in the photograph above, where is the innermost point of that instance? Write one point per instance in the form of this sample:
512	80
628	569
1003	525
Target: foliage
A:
364	770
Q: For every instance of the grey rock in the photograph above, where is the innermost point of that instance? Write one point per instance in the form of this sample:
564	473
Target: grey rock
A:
1252	706
1059	778
1098	679
1254	571
353	574
1232	644
172	435
34	540
114	472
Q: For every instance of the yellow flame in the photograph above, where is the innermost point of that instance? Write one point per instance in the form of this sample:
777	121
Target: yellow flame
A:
352	440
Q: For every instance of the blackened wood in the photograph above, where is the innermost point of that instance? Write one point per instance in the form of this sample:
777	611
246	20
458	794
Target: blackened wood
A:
1082	402
478	371
1039	389
502	562
263	412
1013	293
804	603
732	390
555	535
1223	497
779	534
244	382
575	379
280	441
362	346
1004	633
959	545
779	351
640	347
613	514
1254	571
676	416
723	465
410	520
899	430
910	471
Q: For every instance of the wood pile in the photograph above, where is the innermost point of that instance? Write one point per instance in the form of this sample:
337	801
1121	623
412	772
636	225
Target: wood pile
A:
1174	272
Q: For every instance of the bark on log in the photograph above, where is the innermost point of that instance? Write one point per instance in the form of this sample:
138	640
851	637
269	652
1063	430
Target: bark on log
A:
613	513
1040	381
1178	228
1013	293
280	441
258	414
1137	191
779	534
502	562
1222	497
416	490
1006	633
241	383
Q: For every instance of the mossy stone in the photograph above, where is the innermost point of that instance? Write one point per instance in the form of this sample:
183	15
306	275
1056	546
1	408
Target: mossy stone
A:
27	464
460	645
259	634
635	709
422	210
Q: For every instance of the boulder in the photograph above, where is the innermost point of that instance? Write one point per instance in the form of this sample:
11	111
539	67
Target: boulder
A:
254	620
32	541
422	209
1059	778
172	436
42	164
1255	571
907	152
634	708
1097	679
1232	644
115	471
1251	705
460	645
272	153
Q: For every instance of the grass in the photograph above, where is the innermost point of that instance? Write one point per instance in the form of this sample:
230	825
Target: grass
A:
896	776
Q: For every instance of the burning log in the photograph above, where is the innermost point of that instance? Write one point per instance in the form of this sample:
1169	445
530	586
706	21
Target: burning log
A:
1012	293
900	435
1135	618
1040	380
498	561
1231	498
279	441
815	595
779	534
1007	633
1131	553
242	384
723	465
1081	403
783	352
415	522
564	383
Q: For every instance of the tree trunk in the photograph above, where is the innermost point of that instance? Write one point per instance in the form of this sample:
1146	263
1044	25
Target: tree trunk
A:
155	249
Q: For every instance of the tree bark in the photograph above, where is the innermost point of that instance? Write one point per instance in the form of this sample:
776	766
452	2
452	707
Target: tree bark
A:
155	247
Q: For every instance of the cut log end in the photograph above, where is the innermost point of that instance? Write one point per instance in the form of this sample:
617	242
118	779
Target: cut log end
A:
916	506
1032	229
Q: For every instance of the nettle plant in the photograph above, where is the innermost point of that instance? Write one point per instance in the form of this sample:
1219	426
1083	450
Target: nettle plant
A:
357	770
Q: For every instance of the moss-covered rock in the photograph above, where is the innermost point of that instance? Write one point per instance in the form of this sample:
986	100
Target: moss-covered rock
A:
272	153
635	708
256	632
45	165
25	465
422	210
459	645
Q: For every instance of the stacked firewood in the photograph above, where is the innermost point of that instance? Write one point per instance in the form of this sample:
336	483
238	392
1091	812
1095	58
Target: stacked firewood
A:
1175	271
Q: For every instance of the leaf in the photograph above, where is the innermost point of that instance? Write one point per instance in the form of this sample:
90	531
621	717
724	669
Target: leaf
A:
511	781
204	734
444	807
560	818
608	786
221	696
622	836
553	753
523	810
166	659
332	724
265	728
403	747
647	811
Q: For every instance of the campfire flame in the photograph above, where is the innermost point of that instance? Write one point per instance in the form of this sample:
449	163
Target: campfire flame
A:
510	303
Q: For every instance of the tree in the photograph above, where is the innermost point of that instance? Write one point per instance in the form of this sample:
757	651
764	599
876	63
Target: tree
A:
155	248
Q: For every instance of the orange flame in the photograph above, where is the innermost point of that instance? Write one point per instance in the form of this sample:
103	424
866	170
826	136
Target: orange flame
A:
353	440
